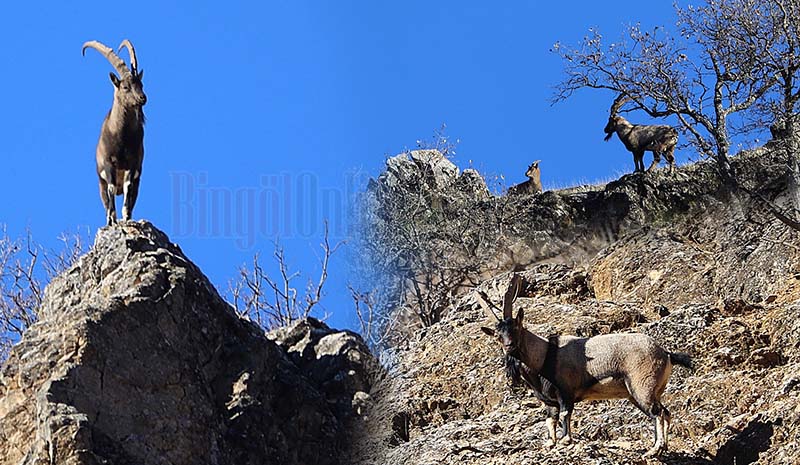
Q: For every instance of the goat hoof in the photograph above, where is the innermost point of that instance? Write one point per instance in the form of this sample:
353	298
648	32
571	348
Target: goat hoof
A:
566	440
549	444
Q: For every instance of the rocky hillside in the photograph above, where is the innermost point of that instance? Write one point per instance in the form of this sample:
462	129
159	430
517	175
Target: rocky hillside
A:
137	360
673	255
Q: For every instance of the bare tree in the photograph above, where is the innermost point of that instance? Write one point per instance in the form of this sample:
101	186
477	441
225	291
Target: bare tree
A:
274	302
426	242
378	328
25	269
704	76
440	141
425	237
773	29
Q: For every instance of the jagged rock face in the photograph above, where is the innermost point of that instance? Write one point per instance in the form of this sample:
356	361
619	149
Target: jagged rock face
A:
419	168
339	362
137	360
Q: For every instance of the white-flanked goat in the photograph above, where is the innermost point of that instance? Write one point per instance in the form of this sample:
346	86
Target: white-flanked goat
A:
638	139
563	370
120	150
534	183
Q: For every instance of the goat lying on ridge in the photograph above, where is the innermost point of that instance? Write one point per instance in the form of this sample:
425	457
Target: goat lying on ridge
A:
638	139
534	183
563	370
120	150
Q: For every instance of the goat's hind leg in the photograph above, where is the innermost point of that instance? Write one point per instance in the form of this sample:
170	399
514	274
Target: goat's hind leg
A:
567	405
666	419
660	416
648	402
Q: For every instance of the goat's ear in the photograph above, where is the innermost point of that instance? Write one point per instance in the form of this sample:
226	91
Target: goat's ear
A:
140	73
520	316
488	331
114	79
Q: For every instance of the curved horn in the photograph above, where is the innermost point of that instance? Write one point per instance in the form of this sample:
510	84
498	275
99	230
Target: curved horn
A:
112	57
483	299
511	296
131	52
618	102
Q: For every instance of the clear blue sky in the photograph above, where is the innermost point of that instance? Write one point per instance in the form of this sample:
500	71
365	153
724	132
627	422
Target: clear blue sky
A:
281	102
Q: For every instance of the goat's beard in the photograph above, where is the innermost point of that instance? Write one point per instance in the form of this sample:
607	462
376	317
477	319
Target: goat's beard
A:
513	370
608	136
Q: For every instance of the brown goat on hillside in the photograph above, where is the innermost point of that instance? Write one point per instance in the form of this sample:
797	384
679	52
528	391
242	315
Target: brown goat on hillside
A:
563	370
638	139
120	150
534	183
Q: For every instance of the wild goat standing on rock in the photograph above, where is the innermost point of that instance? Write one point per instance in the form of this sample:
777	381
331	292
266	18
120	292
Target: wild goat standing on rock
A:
638	139
120	149
563	370
534	183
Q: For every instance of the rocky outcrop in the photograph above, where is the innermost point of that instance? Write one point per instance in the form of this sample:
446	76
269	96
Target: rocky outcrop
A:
430	171
675	255
137	360
338	362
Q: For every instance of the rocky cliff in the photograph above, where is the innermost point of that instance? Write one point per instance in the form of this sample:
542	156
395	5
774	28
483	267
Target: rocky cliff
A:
674	255
137	360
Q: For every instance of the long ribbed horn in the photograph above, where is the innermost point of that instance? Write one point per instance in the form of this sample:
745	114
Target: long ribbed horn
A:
131	52
112	57
511	295
484	302
618	102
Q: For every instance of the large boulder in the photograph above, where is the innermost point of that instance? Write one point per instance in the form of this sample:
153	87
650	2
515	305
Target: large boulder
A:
419	169
136	359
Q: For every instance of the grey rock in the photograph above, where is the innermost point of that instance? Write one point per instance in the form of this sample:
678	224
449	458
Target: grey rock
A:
470	182
427	169
338	362
137	360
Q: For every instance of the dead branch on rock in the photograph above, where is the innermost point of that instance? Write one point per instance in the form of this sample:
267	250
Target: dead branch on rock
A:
274	302
25	269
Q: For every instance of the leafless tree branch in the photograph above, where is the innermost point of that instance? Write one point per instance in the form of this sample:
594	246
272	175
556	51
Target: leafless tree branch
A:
25	269
274	302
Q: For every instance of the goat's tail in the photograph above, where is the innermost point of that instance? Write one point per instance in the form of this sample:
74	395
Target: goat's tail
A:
679	358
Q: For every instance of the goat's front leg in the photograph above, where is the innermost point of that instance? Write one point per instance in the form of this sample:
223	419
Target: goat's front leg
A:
638	161
670	156
108	191
656	161
550	423
130	190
